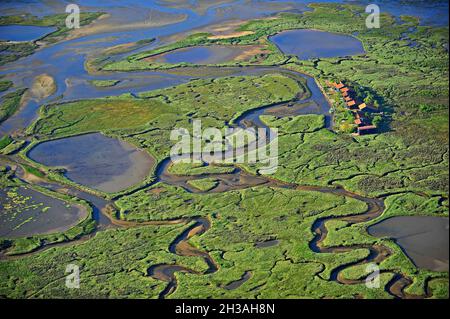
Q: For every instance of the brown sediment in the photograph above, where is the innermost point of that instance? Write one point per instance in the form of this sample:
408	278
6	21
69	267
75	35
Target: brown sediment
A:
424	239
121	22
79	213
93	66
31	178
251	51
156	191
43	86
230	35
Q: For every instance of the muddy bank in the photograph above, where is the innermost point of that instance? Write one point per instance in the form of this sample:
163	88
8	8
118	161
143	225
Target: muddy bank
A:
43	86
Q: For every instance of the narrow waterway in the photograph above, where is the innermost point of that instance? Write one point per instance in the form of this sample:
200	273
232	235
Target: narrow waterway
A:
65	62
239	179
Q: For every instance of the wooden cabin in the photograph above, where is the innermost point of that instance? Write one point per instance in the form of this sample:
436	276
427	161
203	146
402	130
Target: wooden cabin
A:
339	85
351	103
358	120
362	106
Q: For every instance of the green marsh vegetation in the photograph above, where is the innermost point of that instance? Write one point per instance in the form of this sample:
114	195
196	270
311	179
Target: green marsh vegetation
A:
10	103
122	273
5	85
33	171
137	61
242	218
204	184
9	145
262	213
93	64
14	51
407	164
54	20
411	79
294	134
5	141
216	101
374	166
198	169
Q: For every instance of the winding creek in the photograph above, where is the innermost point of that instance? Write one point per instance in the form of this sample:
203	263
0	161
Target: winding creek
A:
240	179
69	65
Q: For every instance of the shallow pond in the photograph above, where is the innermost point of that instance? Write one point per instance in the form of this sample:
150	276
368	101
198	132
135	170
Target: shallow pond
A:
26	212
267	244
202	55
96	161
238	283
424	239
308	44
23	32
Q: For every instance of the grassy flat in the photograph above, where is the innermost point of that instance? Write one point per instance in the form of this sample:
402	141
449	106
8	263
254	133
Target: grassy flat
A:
204	184
104	83
405	164
10	104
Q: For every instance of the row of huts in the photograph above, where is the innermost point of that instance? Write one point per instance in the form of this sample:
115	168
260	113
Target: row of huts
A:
364	124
